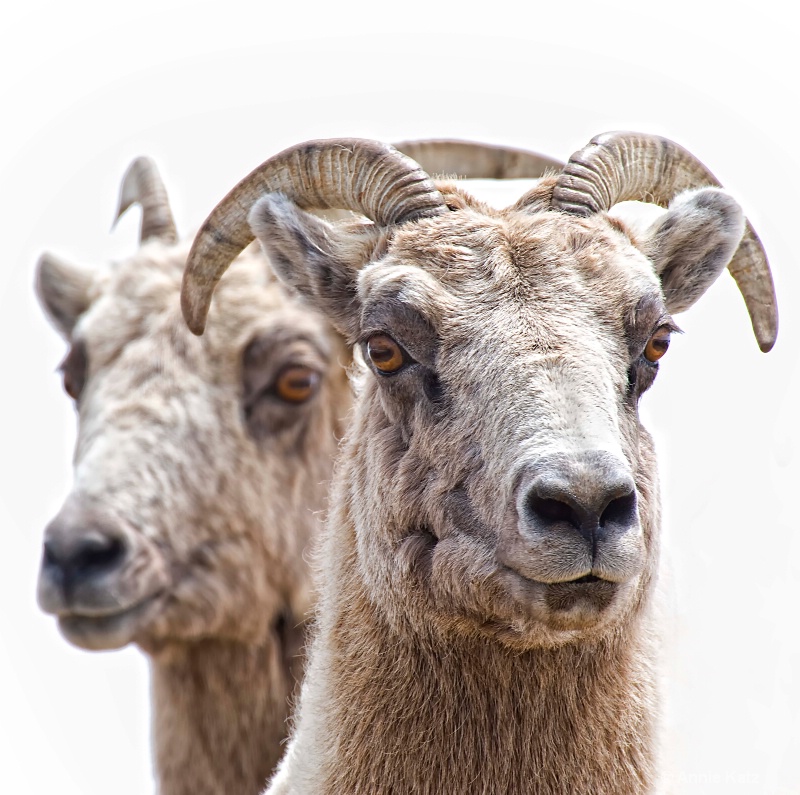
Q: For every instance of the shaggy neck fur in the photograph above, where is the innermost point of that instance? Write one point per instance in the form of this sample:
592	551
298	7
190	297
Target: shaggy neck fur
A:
436	714
214	707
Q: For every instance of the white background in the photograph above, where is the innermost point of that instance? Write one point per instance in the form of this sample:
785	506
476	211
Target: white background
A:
210	90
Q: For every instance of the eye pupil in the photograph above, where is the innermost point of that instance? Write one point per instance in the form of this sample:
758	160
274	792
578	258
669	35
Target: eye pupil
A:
296	384
385	353
657	345
380	353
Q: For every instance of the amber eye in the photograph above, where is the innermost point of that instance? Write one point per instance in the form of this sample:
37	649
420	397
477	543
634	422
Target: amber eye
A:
385	353
657	344
296	384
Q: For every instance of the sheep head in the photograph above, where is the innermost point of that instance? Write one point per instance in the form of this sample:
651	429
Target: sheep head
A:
199	463
497	480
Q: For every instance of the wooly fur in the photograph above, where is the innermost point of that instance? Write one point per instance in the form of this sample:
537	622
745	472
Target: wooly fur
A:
458	648
210	487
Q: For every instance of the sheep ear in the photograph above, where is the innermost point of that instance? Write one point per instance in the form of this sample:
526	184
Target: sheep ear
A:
307	254
692	243
63	291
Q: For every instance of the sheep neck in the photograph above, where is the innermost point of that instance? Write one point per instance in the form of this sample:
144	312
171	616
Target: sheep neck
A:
218	712
476	718
463	714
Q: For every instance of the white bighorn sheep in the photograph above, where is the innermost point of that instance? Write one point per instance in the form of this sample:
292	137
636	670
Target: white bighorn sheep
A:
199	467
485	620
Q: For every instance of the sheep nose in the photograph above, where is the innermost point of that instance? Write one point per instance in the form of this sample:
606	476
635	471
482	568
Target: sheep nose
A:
73	560
79	551
591	492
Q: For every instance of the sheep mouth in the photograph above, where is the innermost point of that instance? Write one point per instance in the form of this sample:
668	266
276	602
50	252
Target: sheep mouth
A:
105	631
556	582
589	593
586	579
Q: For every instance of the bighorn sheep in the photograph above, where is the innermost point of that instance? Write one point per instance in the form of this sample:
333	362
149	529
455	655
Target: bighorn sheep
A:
485	621
199	467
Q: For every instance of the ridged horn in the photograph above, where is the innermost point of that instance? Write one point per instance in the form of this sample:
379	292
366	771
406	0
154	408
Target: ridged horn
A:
142	185
625	166
473	160
368	177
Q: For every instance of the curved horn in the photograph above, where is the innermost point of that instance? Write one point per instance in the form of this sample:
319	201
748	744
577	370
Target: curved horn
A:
368	177
142	185
624	166
472	160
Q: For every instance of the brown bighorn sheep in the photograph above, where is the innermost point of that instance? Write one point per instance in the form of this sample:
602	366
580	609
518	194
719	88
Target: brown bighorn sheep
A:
485	620
199	467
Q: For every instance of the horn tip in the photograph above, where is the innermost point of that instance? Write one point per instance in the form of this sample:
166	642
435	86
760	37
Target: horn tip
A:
766	345
194	312
766	333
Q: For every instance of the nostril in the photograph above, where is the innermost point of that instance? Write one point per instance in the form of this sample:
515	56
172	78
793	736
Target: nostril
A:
552	511
620	511
96	553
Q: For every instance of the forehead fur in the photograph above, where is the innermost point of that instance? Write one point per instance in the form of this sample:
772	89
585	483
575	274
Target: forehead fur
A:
139	297
517	255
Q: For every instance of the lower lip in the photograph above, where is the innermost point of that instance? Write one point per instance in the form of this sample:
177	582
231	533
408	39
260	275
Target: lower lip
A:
588	579
93	631
590	591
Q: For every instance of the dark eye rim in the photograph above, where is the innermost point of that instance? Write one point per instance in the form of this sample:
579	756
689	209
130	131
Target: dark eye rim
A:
643	360
269	395
647	368
408	360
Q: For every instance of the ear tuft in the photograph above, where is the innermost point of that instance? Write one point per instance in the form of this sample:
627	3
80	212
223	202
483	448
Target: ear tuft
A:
692	243
63	290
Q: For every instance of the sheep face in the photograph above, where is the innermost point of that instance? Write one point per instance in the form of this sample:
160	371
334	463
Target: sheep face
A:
200	463
499	481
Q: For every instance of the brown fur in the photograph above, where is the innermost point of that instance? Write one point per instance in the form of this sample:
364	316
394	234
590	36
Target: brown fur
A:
220	714
438	664
216	519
